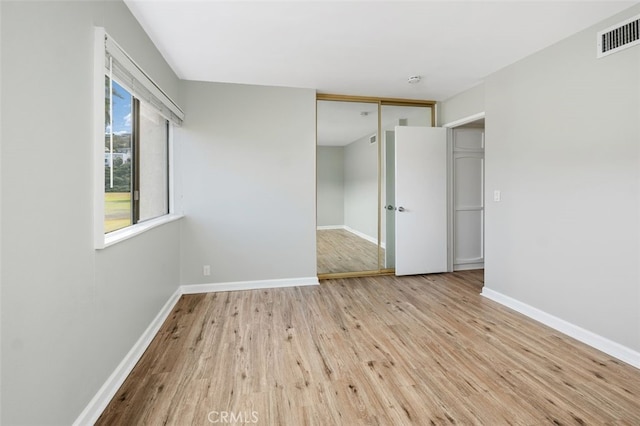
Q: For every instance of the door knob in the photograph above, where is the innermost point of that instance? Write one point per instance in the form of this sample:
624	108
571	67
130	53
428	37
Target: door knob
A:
389	207
400	209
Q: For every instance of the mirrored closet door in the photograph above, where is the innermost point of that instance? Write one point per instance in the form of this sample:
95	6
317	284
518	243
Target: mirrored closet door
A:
347	187
355	181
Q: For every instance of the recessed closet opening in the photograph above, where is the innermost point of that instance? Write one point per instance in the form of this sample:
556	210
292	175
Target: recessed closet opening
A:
355	181
467	194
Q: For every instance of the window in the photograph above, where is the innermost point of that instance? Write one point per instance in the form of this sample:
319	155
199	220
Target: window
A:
136	160
133	150
118	150
153	164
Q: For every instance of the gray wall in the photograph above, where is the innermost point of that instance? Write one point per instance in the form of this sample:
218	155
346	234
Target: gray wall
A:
562	144
462	105
249	176
361	186
330	186
1	212
69	313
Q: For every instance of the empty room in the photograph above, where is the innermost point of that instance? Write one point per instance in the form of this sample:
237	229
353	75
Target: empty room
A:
319	213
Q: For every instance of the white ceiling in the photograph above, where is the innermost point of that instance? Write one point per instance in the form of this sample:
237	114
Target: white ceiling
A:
340	123
359	47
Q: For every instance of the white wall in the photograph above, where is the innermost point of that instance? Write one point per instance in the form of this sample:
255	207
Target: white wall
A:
69	313
563	140
330	186
249	158
562	144
361	186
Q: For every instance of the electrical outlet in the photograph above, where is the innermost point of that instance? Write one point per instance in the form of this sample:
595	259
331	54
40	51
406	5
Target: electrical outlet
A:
497	195
206	270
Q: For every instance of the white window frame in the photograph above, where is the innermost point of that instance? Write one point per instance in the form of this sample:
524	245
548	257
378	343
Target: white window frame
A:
102	240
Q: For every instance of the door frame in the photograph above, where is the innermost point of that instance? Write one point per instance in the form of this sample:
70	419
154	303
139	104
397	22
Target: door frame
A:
450	207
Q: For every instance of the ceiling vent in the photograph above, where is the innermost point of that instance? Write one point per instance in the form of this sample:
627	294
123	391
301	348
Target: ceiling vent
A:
619	37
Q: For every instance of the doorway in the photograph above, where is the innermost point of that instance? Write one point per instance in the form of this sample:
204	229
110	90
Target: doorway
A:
467	193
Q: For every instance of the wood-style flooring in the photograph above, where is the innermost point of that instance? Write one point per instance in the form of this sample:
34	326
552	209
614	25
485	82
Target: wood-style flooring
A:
369	351
343	251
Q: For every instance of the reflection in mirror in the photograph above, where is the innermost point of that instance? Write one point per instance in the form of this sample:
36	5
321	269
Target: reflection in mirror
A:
347	187
392	116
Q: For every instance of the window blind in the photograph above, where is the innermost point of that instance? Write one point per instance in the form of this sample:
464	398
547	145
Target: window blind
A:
128	74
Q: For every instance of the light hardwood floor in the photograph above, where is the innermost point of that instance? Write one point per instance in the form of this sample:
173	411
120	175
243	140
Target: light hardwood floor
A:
342	251
370	351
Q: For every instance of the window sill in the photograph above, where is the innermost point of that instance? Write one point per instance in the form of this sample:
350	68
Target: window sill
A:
131	231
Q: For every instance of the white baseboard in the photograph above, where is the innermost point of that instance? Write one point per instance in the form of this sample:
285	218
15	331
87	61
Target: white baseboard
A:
363	236
596	341
467	266
248	285
353	231
105	394
108	390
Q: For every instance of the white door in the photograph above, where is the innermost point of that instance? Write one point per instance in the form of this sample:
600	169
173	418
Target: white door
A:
421	200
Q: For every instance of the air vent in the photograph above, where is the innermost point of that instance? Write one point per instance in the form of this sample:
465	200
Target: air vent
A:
619	37
373	139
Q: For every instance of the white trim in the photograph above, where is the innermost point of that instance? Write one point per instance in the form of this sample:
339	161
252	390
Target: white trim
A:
98	136
326	227
450	201
468	266
464	120
105	394
353	231
461	261
248	285
469	208
361	235
596	341
131	231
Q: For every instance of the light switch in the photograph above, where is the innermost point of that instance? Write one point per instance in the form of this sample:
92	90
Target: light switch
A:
496	195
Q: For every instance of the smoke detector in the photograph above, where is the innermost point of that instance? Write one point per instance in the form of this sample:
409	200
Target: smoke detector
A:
414	79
